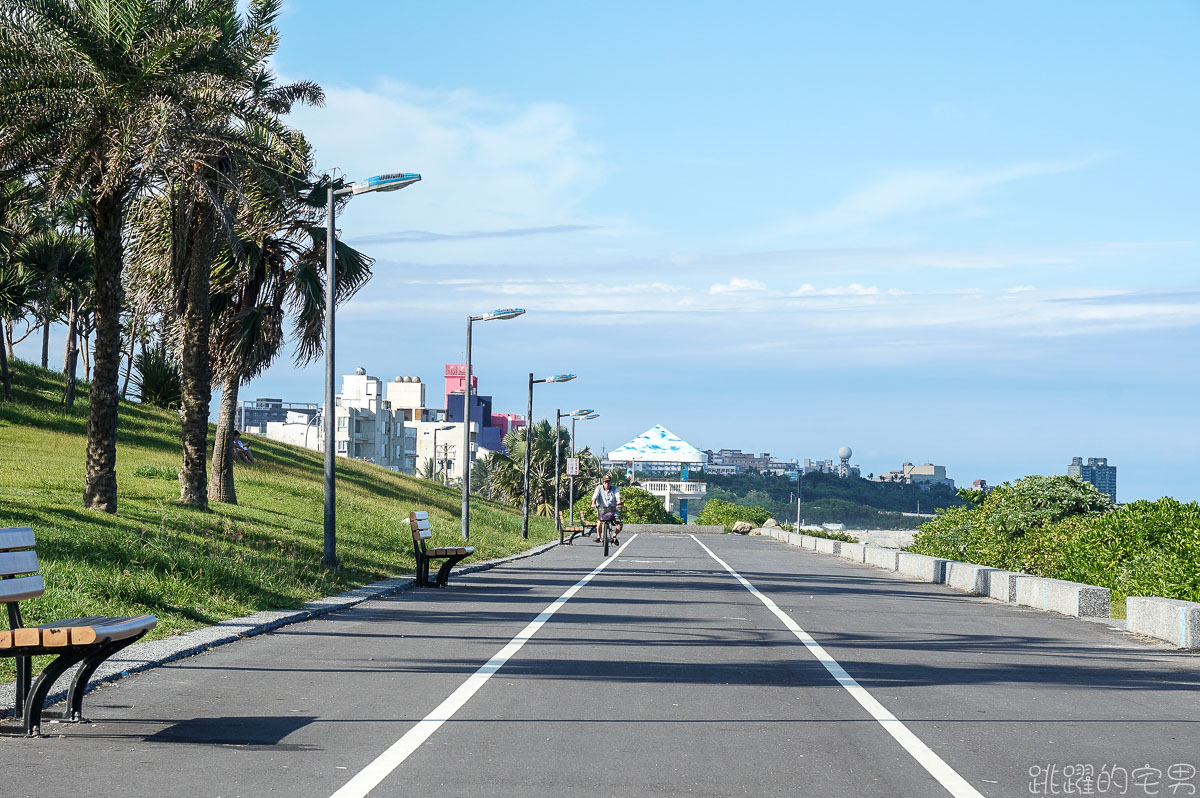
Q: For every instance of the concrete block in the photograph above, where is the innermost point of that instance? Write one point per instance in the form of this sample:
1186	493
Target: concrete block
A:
827	546
1002	585
973	578
808	542
922	566
853	551
1177	622
1068	598
881	558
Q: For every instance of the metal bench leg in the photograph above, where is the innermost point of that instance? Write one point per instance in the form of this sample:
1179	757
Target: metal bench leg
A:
444	572
24	677
80	681
36	700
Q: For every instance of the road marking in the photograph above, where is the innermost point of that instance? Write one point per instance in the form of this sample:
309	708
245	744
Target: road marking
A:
955	784
369	777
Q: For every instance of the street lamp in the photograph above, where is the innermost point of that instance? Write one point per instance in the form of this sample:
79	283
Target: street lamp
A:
388	182
529	445
559	415
495	315
584	415
435	452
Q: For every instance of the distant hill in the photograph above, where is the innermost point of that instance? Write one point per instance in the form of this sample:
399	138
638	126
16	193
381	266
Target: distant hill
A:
856	502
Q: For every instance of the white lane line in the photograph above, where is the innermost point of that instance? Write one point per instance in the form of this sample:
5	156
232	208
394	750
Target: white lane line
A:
955	784
369	777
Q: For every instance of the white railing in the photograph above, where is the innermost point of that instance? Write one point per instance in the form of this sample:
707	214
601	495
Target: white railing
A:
690	488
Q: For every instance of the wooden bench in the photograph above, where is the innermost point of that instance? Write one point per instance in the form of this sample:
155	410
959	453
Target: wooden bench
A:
419	523
86	641
583	529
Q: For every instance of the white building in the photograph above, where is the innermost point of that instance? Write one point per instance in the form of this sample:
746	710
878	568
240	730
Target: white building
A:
367	426
924	474
427	435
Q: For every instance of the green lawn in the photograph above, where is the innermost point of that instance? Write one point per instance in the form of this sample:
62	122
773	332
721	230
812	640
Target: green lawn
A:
192	568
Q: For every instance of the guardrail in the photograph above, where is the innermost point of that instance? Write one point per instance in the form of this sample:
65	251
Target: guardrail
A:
693	488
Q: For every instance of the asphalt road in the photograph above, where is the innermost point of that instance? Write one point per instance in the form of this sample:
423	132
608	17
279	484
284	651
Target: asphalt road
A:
662	675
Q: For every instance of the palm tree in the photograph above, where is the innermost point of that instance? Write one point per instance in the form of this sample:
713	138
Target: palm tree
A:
280	272
101	96
240	144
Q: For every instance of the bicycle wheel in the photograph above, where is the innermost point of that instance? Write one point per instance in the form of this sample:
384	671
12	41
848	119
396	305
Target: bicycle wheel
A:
604	536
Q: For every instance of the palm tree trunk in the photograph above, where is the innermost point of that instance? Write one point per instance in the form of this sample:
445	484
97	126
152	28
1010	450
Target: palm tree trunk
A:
72	355
51	279
8	338
86	351
129	355
194	365
46	342
5	378
100	480
221	487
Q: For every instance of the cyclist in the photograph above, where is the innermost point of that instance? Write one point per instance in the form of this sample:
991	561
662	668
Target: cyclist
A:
607	499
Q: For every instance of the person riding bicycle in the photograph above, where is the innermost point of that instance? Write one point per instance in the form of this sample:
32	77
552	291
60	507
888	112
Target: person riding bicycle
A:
606	500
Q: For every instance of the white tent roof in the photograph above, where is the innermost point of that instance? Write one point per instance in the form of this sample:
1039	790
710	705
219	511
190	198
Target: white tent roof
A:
657	445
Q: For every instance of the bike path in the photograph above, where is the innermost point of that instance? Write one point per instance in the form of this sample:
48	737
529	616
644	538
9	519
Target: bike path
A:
662	675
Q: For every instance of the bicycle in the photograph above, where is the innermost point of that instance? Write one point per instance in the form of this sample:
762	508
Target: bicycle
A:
605	518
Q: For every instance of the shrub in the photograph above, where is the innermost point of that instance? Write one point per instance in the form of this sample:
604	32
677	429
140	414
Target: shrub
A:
157	379
1015	527
726	514
641	507
1061	528
156	472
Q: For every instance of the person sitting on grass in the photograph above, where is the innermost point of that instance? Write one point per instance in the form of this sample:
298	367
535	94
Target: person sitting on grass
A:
241	449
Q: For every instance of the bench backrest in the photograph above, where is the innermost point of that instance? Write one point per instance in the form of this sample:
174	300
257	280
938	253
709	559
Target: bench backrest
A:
418	522
19	578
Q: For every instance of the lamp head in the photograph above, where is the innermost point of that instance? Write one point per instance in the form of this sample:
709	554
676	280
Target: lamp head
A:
561	378
580	413
502	313
389	182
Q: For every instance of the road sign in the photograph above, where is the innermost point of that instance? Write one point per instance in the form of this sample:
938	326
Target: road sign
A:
572	466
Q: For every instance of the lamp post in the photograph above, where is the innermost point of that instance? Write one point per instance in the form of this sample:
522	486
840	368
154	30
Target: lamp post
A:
586	415
388	182
799	488
529	446
559	415
503	313
435	452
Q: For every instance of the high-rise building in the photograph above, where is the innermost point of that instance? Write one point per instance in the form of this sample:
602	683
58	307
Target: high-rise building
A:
1097	472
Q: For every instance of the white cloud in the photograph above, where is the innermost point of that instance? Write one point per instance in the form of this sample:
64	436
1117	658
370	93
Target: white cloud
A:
913	192
494	173
854	289
737	285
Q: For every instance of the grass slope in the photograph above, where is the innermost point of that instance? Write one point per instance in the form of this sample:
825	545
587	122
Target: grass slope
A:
193	568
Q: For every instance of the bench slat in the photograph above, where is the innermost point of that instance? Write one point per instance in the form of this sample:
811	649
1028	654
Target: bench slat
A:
121	628
20	537
18	562
21	588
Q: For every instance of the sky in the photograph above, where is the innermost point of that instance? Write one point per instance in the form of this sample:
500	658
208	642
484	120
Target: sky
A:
959	233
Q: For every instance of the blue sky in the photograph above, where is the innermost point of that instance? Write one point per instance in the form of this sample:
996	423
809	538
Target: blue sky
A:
953	232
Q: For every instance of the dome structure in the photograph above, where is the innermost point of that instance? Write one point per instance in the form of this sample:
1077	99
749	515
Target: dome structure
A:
845	452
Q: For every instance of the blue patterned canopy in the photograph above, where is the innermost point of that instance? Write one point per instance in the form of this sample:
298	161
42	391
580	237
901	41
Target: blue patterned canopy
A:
657	445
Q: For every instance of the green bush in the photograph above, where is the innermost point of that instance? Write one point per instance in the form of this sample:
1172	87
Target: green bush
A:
641	507
726	514
1062	528
156	472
